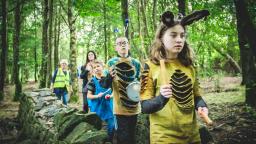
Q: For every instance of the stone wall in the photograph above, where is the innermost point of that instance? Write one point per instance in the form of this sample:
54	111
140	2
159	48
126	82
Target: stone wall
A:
45	119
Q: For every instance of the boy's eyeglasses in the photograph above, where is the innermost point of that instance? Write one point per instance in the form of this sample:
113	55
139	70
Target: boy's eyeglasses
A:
122	43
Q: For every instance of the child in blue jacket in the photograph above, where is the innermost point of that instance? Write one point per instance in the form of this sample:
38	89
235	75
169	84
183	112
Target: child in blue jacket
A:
101	99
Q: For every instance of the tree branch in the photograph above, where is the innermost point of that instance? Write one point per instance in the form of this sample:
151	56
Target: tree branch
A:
64	19
62	6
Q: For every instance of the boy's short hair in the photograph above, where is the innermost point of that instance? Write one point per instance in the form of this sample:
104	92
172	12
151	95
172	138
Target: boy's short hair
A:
98	62
64	61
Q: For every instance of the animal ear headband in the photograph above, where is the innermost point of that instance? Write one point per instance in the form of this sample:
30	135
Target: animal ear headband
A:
168	18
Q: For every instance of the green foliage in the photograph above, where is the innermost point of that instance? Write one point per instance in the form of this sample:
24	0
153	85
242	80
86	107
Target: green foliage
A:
74	99
217	31
251	111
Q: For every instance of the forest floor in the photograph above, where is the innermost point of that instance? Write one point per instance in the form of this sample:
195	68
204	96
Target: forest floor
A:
234	122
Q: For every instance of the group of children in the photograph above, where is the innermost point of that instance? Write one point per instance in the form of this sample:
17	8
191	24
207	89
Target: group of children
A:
169	87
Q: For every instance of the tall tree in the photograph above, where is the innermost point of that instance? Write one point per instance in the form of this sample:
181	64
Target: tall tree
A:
105	30
16	49
50	43
43	71
154	14
247	44
125	16
35	46
73	51
143	7
4	48
182	7
56	35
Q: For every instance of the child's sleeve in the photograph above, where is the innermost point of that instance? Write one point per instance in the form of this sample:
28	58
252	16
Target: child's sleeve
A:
84	73
147	86
149	102
54	75
197	90
91	86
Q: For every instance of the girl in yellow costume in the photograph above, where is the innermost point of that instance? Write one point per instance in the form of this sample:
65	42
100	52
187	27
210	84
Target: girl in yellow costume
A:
172	106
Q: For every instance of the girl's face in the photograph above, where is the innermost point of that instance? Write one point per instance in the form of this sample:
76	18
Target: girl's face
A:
122	47
174	39
91	56
97	68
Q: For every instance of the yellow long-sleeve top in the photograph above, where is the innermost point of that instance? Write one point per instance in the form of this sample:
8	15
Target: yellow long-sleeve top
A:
176	121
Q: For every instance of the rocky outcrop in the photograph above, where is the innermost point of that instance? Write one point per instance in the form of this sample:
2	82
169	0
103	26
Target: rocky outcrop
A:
45	119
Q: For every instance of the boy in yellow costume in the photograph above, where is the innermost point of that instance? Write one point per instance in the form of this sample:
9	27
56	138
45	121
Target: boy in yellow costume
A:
124	70
172	104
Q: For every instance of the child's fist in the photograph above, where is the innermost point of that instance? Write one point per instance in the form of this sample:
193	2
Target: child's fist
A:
107	96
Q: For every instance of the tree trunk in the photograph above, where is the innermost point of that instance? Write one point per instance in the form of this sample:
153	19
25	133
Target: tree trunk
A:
16	40
4	48
247	44
144	18
125	16
105	30
73	52
182	7
8	68
49	62
154	14
56	37
43	71
143	49
35	48
231	61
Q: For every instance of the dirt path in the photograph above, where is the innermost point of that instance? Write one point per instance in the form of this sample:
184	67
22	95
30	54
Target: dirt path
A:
234	122
8	114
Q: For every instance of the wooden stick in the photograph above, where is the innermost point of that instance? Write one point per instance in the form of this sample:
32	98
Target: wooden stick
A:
163	73
206	119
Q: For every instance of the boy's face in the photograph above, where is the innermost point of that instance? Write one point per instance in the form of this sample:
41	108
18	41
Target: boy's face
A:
97	68
63	66
122	47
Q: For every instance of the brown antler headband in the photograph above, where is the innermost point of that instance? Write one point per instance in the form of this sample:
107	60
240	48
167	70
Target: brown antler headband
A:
168	18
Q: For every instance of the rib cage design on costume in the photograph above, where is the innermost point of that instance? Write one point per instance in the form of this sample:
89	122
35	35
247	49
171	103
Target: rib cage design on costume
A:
125	72
182	89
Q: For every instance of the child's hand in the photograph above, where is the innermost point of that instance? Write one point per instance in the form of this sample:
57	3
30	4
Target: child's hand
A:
112	71
166	91
202	111
107	96
100	95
